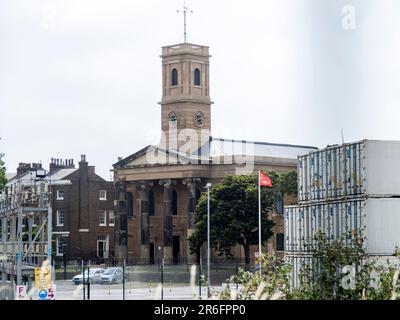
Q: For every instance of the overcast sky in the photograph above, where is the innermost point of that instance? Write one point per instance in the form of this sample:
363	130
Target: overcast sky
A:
84	76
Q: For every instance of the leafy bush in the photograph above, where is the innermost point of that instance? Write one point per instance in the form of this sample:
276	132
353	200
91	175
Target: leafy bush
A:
340	270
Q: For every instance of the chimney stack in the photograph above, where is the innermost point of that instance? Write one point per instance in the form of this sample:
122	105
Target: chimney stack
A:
56	164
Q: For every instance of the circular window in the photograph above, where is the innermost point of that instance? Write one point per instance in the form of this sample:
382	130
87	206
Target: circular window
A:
199	119
173	119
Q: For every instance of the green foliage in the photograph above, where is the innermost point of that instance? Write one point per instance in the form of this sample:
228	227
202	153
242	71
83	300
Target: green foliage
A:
272	284
3	179
372	279
234	212
325	279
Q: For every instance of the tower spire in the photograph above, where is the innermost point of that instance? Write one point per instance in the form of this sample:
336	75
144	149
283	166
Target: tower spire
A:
184	11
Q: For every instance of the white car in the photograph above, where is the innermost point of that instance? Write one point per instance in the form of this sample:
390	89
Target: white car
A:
93	276
112	275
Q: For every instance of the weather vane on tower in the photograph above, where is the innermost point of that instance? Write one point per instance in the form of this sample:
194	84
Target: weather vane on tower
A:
184	11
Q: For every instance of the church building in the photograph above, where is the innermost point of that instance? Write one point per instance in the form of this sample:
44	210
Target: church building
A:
157	187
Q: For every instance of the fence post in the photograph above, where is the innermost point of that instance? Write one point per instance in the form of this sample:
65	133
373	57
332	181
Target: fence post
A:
123	280
83	281
200	279
88	281
236	272
162	279
65	267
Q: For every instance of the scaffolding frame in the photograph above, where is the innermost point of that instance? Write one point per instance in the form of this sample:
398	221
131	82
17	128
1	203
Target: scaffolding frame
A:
26	228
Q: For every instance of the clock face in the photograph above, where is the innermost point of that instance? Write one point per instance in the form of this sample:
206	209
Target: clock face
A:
199	119
173	119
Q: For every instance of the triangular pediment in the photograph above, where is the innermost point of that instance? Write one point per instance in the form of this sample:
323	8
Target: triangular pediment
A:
153	155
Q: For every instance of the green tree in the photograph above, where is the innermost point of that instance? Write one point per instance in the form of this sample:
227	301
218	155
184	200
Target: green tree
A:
3	179
234	213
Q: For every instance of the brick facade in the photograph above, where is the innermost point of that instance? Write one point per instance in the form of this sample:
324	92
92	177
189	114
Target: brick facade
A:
81	206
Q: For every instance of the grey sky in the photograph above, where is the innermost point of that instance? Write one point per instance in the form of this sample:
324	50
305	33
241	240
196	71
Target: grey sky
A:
84	76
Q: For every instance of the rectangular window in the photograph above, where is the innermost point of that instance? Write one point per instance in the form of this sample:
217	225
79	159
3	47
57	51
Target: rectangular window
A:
130	204
151	204
103	194
280	242
61	244
279	205
60	218
102	218
60	194
111	218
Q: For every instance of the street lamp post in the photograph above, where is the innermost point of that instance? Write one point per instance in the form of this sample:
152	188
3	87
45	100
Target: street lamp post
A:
208	186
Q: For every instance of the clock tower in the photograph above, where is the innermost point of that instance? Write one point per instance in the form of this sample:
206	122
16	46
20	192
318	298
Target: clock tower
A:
185	104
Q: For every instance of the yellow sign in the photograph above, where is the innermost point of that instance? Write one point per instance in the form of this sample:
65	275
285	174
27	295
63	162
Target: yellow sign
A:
42	278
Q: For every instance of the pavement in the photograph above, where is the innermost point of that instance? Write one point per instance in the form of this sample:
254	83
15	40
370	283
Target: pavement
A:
66	290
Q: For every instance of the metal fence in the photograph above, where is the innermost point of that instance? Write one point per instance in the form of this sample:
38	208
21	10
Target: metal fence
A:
100	279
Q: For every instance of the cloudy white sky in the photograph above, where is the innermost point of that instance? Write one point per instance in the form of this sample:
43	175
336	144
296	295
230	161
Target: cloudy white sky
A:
84	76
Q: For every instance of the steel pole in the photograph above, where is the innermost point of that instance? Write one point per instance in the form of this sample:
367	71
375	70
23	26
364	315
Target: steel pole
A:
3	260
123	280
259	219
19	251
83	281
49	234
208	242
200	279
162	279
88	281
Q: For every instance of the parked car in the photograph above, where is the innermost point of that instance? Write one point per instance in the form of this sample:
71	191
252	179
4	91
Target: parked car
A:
112	275
92	277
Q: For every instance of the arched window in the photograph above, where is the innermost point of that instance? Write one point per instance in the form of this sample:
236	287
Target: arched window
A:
151	203
174	202
197	77
129	200
174	77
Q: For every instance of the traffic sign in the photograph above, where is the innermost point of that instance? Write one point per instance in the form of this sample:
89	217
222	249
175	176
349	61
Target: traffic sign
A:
42	294
21	293
42	278
52	292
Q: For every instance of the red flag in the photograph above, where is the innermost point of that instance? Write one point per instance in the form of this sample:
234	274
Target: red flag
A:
265	180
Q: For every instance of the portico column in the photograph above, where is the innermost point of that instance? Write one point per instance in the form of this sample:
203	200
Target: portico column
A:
191	188
168	225
143	189
121	220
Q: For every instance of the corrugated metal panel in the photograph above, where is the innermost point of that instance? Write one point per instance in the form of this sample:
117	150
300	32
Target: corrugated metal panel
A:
302	263
376	220
292	229
298	264
335	219
366	168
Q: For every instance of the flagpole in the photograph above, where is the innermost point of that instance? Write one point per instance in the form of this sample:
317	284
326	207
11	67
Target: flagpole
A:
259	219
